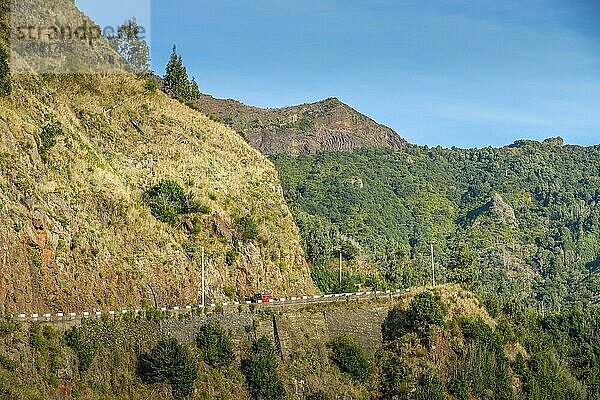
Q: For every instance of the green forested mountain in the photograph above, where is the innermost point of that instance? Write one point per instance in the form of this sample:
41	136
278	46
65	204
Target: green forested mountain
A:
514	223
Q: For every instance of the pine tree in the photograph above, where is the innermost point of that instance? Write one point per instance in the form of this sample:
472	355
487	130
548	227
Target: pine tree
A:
176	83
194	90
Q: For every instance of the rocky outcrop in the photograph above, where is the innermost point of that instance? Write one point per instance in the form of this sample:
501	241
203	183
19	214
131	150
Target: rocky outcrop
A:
327	125
555	141
497	209
502	210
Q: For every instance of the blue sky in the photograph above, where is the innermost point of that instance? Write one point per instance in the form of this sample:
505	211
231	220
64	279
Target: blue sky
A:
464	73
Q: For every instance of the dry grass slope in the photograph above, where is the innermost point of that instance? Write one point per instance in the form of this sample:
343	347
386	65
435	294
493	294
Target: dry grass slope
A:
75	231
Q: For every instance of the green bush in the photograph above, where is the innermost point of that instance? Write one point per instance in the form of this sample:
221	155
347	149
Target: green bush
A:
48	135
150	85
172	363
482	367
395	376
167	200
548	379
424	313
84	349
5	79
305	124
349	357
247	228
475	330
459	388
320	395
7	363
260	369
215	344
431	387
8	327
231	256
229	291
45	346
40	337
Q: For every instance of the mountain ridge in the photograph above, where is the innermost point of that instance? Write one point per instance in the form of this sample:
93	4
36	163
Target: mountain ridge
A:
325	125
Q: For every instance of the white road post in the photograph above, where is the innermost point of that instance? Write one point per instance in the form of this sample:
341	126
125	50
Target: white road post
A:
203	279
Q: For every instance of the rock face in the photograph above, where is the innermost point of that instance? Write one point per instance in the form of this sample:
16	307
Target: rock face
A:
498	210
327	125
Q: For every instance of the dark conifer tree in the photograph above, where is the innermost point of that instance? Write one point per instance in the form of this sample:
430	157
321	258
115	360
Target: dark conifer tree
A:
176	83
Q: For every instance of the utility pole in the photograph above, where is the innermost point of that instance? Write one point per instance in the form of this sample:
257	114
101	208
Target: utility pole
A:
203	281
340	268
432	266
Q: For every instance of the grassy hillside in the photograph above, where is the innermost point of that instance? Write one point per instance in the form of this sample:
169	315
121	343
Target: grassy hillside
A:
513	223
78	156
85	160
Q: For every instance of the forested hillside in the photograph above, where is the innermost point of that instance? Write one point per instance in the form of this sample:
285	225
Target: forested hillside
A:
518	223
437	344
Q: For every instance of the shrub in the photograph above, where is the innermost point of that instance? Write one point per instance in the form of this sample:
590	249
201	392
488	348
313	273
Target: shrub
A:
350	358
167	200
395	376
260	369
459	388
247	228
48	135
84	350
243	135
320	395
475	330
8	363
305	124
229	291
215	344
38	338
231	256
5	79
200	208
425	311
150	85
8	327
431	387
172	363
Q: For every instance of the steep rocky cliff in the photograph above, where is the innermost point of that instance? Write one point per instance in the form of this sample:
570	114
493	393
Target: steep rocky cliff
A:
77	156
326	125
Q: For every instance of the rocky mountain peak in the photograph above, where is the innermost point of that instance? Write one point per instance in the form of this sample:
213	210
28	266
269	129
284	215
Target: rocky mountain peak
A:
327	125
